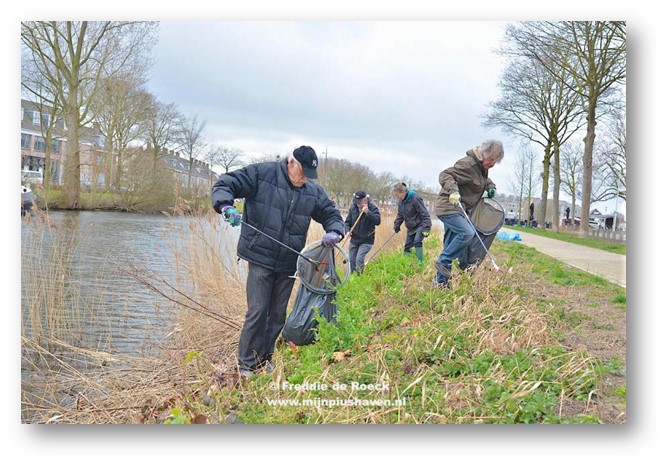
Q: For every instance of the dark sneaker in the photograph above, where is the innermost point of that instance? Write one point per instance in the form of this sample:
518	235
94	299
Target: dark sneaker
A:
443	270
269	367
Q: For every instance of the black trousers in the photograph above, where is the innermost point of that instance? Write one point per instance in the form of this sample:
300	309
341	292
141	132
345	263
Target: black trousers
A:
413	239
267	296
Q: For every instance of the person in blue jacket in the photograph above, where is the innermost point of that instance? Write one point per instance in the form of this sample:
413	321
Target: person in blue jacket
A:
280	200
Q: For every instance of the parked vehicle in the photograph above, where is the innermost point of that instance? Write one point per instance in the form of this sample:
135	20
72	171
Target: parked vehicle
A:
595	224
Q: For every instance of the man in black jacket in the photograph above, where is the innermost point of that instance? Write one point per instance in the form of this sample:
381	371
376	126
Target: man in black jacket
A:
280	201
411	211
364	216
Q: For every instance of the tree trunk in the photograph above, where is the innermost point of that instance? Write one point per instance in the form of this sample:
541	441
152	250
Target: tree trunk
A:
72	161
110	163
556	215
546	184
46	180
587	162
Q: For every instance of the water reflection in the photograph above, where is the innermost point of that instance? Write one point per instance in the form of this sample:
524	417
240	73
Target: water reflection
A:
77	269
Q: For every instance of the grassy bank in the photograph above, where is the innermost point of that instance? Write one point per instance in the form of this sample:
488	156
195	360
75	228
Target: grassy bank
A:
145	201
543	343
609	246
489	351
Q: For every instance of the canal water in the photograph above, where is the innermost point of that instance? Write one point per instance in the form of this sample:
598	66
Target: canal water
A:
79	278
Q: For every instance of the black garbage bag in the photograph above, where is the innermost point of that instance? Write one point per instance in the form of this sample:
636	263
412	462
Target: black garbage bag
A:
316	293
301	325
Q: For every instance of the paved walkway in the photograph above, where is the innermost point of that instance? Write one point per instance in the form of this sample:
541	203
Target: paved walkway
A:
595	261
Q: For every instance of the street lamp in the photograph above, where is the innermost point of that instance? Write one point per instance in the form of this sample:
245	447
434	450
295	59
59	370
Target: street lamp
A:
325	170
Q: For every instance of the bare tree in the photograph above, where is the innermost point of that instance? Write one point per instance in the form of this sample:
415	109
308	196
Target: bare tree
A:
226	156
120	109
593	53
613	157
162	128
345	177
381	185
538	107
190	139
525	177
42	93
73	57
571	172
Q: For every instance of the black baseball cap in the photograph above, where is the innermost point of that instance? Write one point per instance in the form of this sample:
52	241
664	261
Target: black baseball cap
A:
307	157
359	195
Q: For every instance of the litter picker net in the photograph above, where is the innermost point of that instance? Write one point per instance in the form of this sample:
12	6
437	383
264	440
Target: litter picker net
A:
319	278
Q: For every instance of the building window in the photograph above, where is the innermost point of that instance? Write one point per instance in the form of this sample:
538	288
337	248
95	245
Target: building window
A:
35	118
46	119
55	147
34	164
40	144
25	141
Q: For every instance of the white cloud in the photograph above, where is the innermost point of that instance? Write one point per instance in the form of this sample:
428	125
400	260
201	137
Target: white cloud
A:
397	96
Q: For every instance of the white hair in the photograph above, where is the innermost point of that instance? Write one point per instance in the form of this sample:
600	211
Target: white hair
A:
492	148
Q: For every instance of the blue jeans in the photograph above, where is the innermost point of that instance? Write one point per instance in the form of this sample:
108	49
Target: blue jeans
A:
458	235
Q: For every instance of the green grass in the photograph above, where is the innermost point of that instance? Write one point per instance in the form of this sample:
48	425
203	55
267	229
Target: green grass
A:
609	246
484	352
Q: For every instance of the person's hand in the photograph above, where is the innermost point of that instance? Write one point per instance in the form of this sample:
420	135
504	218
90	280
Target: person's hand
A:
455	198
491	192
233	216
330	239
425	233
396	230
365	209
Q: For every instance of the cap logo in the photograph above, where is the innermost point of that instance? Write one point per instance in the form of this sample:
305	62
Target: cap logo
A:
314	164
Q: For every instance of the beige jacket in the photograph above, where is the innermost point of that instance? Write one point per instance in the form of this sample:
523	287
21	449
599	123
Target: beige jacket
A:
466	176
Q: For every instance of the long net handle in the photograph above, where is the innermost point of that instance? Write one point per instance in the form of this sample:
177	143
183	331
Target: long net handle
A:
349	235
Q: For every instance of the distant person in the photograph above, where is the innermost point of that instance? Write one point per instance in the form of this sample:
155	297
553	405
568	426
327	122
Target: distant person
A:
531	212
463	184
568	213
412	212
363	235
280	200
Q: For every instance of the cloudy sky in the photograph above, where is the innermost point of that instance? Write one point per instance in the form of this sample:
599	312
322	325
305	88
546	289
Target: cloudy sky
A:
400	96
404	97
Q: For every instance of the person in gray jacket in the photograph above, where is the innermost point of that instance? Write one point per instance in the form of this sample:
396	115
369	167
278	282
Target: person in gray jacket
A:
280	200
464	183
411	211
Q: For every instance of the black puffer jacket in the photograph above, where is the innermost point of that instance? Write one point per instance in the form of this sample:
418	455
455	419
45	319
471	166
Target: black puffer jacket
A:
365	231
274	206
413	213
